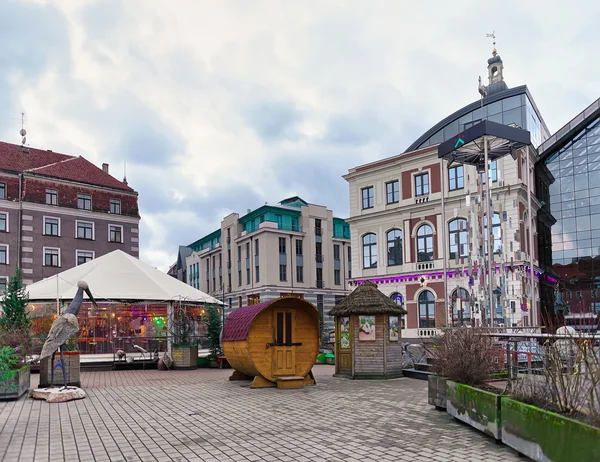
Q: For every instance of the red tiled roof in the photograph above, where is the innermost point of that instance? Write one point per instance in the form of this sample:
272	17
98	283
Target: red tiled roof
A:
14	158
237	324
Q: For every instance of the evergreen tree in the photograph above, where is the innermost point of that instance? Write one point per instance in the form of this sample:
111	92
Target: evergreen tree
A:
14	305
213	326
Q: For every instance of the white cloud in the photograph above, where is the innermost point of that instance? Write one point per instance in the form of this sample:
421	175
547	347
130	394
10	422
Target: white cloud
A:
232	94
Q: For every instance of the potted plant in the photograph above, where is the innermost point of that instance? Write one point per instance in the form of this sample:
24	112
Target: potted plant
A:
184	349
556	415
213	327
15	340
468	358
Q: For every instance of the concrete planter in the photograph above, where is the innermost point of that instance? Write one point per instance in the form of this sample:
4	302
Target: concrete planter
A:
478	408
436	391
547	436
15	383
72	370
185	356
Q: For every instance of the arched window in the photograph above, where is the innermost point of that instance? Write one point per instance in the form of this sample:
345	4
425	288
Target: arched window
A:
457	230
425	243
394	247
399	300
496	230
426	309
369	251
461	305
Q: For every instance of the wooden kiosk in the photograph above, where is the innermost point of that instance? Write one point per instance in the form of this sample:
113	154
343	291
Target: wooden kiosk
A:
367	335
275	342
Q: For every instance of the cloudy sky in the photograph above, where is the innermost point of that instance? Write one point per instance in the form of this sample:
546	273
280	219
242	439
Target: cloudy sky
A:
219	106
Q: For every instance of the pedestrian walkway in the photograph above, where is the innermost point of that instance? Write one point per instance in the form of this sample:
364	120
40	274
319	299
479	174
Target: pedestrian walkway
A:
201	416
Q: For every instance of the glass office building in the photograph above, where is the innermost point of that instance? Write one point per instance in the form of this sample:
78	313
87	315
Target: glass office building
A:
572	155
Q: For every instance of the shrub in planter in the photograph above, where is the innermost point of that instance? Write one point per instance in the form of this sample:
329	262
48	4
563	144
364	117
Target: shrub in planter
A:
14	374
467	359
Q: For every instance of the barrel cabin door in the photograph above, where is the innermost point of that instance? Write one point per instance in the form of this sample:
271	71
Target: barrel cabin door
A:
284	351
344	342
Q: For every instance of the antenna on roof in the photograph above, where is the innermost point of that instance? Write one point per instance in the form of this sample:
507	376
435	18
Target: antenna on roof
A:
125	171
23	132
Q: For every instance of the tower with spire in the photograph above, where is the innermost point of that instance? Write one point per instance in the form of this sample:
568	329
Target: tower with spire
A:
495	71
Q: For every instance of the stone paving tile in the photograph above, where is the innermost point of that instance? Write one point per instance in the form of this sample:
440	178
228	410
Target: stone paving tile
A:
201	416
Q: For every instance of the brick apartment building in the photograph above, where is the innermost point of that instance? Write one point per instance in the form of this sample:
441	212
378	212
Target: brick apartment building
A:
58	211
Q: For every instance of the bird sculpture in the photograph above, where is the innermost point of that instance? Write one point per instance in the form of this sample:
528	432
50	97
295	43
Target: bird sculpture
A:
121	355
138	348
63	327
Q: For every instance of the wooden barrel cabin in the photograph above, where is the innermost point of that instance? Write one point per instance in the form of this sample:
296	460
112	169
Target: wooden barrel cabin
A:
275	342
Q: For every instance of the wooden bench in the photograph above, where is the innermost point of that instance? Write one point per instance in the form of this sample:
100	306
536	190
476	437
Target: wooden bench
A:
220	360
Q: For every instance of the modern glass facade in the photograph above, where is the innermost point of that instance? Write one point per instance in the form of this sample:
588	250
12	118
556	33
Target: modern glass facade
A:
575	203
506	107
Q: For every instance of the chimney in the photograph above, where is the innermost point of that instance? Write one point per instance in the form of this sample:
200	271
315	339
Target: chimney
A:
105	167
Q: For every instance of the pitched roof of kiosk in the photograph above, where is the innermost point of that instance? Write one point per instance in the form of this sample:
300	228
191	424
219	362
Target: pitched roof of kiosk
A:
366	299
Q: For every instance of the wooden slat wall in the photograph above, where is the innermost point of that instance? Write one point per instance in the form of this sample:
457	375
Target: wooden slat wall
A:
368	355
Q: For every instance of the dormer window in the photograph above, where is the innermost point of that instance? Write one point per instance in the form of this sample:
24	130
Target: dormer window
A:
84	201
115	206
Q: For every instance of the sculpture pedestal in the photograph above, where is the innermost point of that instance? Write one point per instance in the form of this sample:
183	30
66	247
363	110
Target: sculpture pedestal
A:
56	395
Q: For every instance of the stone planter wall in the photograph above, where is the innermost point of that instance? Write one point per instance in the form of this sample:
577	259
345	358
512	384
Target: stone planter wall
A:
436	391
72	370
185	356
543	435
478	408
15	384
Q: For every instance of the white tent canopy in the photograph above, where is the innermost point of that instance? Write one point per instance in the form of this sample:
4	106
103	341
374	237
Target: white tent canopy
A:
117	276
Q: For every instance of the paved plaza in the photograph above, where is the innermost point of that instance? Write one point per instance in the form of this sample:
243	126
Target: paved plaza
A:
201	416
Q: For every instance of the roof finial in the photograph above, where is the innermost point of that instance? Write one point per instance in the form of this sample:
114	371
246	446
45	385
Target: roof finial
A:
493	36
125	172
23	132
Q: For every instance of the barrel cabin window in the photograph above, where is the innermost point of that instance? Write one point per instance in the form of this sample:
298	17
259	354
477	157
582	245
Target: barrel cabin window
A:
284	328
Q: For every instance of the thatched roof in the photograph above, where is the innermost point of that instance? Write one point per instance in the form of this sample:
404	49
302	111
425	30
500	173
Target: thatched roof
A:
366	299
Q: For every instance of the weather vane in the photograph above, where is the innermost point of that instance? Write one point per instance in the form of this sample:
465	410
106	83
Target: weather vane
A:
493	36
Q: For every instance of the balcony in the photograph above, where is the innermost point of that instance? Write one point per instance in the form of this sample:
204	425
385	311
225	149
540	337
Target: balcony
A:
319	284
319	258
318	231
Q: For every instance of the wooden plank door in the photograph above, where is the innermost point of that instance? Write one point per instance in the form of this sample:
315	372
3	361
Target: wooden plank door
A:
284	348
344	342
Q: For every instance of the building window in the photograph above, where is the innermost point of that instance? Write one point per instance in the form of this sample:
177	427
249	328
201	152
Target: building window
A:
369	251
3	255
457	230
85	230
115	233
394	247
256	247
4	222
461	302
2	190
3	284
51	197
425	243
496	231
456	179
493	172
349	262
298	247
283	272
392	190
337	277
282	245
368	197
51	226
398	300
336	251
85	256
426	310
257	273
84	201
115	206
422	184
253	299
51	257
239	266
299	274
